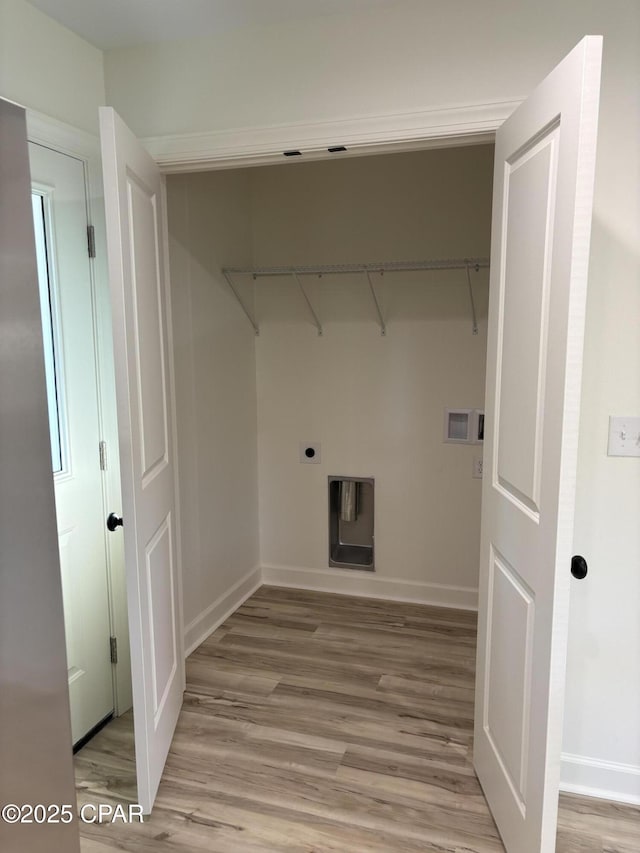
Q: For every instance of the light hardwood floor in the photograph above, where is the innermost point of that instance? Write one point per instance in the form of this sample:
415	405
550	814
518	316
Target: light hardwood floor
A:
315	723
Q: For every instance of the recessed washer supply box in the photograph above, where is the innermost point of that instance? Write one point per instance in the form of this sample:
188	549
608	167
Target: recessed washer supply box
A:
463	426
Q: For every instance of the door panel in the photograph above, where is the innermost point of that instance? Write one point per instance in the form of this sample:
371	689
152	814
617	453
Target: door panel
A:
64	272
530	184
509	641
161	606
137	247
150	345
543	187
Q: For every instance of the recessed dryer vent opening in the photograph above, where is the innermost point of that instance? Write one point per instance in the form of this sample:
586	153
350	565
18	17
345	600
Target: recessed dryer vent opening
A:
351	535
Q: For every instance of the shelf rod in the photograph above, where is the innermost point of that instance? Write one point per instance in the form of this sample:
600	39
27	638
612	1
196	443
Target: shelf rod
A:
473	304
316	321
227	274
383	328
345	269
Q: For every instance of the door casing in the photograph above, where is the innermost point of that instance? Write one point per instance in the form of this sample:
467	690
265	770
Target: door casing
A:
83	146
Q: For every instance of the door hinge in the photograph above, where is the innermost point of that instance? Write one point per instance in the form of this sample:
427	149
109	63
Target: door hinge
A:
113	642
102	450
91	241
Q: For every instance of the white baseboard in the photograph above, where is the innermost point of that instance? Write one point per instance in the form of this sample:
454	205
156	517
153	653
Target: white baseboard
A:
205	623
370	585
339	581
605	780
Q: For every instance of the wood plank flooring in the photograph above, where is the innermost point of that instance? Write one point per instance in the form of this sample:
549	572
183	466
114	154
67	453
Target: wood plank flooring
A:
315	723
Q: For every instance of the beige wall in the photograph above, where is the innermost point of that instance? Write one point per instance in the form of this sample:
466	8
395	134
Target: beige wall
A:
375	403
414	56
46	67
210	226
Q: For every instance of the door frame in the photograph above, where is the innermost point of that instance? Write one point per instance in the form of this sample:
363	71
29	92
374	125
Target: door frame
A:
445	126
65	139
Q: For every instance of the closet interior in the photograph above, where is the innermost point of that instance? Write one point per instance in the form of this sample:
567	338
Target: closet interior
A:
329	323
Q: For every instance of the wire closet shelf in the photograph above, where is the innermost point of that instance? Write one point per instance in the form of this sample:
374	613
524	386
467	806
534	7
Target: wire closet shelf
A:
367	269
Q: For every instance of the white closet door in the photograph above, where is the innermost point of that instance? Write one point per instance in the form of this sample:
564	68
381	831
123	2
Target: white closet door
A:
138	270
543	188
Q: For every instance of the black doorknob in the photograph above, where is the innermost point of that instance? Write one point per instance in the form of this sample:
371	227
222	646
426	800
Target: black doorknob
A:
579	567
114	521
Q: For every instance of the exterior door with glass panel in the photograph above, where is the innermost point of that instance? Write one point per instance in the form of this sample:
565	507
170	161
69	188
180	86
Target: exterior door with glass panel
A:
66	296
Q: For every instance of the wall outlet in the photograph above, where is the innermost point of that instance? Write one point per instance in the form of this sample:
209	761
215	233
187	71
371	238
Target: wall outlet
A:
477	467
624	436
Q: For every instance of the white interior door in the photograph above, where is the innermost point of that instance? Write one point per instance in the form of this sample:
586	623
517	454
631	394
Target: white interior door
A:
138	272
543	188
64	277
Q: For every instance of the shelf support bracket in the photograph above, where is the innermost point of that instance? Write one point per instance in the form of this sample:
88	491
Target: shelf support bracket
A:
471	300
316	321
227	276
383	327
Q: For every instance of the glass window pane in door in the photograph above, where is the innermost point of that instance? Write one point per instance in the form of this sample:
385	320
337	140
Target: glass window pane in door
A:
47	305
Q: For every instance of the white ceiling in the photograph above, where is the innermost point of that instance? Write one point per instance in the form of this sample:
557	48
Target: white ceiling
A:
110	24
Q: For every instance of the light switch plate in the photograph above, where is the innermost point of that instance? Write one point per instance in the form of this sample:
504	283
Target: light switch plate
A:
624	436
